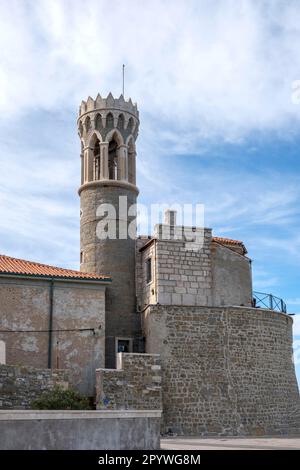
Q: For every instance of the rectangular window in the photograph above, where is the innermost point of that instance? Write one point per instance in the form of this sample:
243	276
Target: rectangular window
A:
124	345
148	270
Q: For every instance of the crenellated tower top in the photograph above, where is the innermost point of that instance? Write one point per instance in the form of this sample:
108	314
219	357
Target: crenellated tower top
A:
108	128
110	102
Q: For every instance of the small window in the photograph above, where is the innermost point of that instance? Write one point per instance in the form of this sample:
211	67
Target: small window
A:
81	257
148	270
124	345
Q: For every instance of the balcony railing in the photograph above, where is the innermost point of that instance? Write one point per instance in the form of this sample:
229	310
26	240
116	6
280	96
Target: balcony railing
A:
261	300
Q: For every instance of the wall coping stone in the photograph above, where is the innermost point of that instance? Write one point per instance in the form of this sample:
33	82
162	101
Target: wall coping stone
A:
220	307
8	415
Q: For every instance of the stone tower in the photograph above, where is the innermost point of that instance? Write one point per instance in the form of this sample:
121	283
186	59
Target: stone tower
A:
108	129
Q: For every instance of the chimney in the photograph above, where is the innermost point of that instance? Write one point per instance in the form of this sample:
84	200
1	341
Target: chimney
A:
170	217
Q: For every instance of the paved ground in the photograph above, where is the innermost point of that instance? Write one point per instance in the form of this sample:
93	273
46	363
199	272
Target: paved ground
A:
195	443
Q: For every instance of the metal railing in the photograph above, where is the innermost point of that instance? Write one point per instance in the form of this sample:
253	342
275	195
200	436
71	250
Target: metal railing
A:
262	300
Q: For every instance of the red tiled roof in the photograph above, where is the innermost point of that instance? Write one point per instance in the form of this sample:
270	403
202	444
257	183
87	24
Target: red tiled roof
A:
221	240
10	265
229	241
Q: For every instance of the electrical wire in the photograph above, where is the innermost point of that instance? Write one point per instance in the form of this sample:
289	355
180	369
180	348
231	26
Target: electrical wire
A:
48	331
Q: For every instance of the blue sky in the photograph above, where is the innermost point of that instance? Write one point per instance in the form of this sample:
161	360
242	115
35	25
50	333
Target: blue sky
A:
213	82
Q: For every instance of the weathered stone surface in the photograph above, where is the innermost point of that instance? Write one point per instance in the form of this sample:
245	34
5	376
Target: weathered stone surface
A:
136	384
113	256
19	386
108	129
191	273
79	430
231	275
78	323
225	371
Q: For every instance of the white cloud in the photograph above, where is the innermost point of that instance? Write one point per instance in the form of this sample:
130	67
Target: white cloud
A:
294	301
263	281
239	198
209	68
197	69
296	325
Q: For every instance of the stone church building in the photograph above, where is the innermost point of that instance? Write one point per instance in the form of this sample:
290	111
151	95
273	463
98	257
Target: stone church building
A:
163	321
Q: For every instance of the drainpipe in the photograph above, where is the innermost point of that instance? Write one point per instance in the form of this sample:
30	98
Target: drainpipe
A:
50	324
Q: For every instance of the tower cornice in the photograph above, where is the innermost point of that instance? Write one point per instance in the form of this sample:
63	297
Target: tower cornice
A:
108	183
97	110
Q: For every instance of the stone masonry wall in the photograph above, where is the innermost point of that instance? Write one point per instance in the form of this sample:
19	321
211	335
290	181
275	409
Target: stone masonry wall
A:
114	257
146	291
184	270
20	385
135	384
231	277
225	371
78	339
181	269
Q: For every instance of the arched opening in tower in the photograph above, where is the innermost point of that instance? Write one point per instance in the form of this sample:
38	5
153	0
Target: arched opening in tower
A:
82	161
80	129
87	124
109	121
131	162
121	122
97	160
130	125
98	122
113	160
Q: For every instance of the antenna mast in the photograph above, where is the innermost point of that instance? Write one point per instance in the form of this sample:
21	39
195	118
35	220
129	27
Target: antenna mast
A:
123	78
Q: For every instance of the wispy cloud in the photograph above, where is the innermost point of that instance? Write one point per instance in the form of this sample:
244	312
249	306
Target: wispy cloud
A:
204	74
296	325
209	78
264	281
294	301
208	68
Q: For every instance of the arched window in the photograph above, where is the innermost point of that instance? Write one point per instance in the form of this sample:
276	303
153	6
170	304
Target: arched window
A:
121	121
87	124
131	162
98	122
109	121
113	160
82	162
80	128
130	125
97	160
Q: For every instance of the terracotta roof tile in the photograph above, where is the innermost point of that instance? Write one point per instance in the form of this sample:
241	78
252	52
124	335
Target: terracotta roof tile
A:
9	265
221	240
229	241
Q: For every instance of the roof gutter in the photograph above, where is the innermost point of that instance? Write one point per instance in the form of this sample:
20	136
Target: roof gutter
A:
46	277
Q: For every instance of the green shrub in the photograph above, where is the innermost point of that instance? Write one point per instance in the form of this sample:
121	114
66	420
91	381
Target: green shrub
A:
61	399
